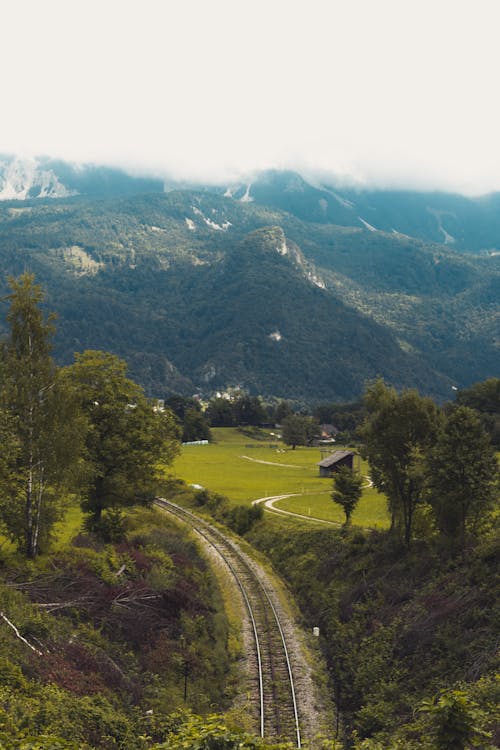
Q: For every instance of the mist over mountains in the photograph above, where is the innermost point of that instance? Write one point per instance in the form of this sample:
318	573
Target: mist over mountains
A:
282	286
461	222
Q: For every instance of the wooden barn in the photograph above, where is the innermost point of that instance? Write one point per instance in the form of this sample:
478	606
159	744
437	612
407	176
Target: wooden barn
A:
329	465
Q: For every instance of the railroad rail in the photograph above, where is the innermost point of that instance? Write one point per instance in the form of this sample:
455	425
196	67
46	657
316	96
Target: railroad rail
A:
274	684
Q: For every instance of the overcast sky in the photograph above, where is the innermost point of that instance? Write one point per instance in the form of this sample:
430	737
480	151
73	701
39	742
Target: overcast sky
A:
382	92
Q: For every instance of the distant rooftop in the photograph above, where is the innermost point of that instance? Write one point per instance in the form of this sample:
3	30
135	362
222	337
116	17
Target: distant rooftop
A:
335	458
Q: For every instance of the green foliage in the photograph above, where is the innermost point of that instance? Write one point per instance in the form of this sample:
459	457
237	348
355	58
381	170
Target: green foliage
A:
194	423
110	526
397	432
346	418
42	426
122	621
195	426
462	475
283	410
220	413
455	720
128	437
129	276
239	518
347	490
485	398
397	626
299	430
249	410
211	733
243	410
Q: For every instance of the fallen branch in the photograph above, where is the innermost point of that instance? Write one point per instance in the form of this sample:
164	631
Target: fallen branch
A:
52	606
18	634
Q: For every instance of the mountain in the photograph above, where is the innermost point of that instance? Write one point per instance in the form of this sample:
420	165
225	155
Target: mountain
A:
465	224
462	223
42	177
199	291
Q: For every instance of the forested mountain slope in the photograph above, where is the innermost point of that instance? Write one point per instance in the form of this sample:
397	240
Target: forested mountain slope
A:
199	291
465	223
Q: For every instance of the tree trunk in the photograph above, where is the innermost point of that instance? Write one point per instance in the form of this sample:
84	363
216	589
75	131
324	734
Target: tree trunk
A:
36	527
29	515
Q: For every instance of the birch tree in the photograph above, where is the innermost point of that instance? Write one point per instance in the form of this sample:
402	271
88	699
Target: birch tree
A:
41	428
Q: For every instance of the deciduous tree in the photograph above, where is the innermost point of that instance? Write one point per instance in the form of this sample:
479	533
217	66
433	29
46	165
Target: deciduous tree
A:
462	474
397	432
299	430
283	410
42	428
194	426
130	441
485	398
249	410
347	490
220	413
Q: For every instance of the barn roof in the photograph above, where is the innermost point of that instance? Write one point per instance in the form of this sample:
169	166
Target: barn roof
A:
335	458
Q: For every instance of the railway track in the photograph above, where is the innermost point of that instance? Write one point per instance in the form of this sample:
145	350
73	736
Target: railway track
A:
273	679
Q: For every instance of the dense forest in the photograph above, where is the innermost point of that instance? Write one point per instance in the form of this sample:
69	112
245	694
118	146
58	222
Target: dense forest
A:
198	292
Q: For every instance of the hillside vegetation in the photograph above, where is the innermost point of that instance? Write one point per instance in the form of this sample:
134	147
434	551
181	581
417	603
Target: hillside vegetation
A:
112	626
198	291
99	643
408	616
403	632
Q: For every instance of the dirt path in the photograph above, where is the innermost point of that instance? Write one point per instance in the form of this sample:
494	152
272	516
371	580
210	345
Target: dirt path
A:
269	506
269	501
271	463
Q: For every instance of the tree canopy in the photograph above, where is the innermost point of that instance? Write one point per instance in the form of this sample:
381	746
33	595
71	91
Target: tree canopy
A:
397	432
41	426
129	439
299	430
462	474
347	489
484	397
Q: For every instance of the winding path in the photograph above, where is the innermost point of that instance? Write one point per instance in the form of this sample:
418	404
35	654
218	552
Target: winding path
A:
269	506
270	501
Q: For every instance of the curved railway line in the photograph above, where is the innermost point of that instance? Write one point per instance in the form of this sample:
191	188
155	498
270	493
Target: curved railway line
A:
273	677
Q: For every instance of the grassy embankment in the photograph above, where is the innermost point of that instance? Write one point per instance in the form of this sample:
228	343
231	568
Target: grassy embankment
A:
224	466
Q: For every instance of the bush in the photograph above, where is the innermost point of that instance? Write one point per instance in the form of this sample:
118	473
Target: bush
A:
110	527
241	518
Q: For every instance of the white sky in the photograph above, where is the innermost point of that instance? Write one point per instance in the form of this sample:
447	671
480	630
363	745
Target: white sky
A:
387	92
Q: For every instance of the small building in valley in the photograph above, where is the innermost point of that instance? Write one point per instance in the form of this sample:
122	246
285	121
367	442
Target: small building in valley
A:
329	465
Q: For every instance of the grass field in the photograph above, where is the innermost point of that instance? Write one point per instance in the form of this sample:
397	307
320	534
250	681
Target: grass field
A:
69	526
231	465
64	530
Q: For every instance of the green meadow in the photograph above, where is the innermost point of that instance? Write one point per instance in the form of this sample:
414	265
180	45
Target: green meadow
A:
231	465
